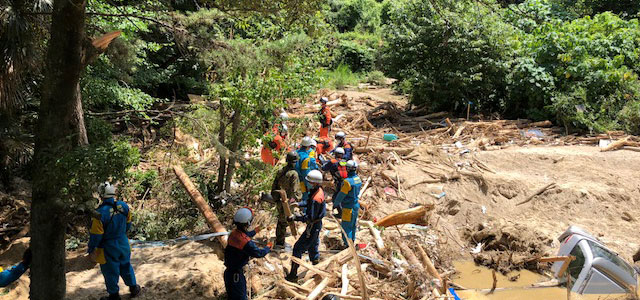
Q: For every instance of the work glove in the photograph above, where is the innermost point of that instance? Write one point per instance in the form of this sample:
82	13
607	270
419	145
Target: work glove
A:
26	257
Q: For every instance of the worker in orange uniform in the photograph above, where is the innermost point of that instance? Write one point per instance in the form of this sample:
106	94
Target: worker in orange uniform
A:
325	145
325	118
278	144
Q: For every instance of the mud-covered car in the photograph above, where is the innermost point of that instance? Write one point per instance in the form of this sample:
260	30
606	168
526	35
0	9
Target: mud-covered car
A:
596	269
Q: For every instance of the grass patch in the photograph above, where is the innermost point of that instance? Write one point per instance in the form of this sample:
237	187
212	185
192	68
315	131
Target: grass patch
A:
342	76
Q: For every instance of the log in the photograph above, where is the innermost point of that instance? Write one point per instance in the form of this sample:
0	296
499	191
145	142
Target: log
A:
407	253
287	211
538	192
399	150
339	258
546	123
428	264
458	132
297	286
376	235
416	215
202	205
553	259
345	279
318	289
364	188
290	292
329	103
618	144
310	267
565	265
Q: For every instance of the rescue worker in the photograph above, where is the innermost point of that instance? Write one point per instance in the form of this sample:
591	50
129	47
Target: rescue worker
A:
287	180
109	244
240	248
306	163
278	144
325	117
310	239
10	275
348	200
337	167
324	146
342	143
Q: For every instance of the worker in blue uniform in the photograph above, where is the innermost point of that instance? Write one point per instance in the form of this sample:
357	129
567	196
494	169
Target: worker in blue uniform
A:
12	274
348	200
306	163
109	244
310	239
341	138
337	167
239	249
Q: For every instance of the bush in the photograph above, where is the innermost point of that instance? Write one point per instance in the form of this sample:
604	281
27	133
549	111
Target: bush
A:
340	77
359	58
630	117
450	60
376	77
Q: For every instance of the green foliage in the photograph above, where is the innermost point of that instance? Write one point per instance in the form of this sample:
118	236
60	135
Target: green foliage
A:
355	15
341	77
376	77
630	117
451	58
180	218
360	58
78	171
526	60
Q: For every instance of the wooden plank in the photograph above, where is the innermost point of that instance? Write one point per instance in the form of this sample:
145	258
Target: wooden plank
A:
538	192
318	289
202	205
555	258
310	267
287	211
345	279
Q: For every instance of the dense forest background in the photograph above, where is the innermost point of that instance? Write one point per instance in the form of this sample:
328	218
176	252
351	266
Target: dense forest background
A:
220	71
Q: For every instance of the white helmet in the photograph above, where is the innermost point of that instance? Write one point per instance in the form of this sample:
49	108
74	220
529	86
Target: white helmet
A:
340	135
307	141
243	216
352	165
106	190
339	150
324	100
314	176
284	115
284	128
314	143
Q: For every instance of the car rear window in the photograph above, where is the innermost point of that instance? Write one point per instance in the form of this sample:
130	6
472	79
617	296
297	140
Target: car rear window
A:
599	251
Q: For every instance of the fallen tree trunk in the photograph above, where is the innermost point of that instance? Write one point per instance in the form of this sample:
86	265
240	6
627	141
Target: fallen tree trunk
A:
428	264
416	215
401	151
619	144
407	253
202	205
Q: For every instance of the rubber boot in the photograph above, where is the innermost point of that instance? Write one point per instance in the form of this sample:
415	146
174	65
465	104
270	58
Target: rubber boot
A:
134	291
293	275
111	297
